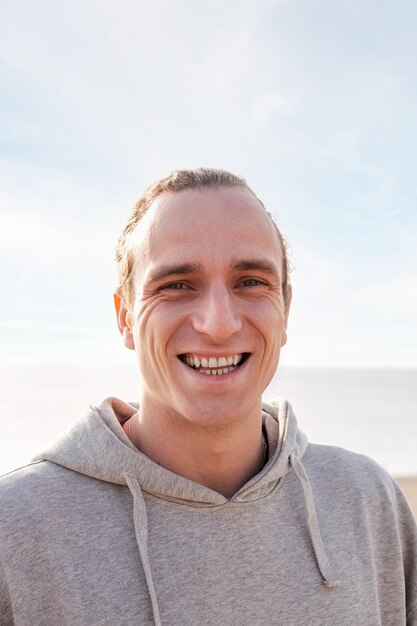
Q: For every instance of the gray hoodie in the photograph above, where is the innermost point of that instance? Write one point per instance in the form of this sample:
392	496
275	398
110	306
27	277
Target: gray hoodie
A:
95	533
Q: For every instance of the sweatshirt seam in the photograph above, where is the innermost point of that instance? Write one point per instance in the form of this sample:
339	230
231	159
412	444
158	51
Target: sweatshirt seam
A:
21	467
412	612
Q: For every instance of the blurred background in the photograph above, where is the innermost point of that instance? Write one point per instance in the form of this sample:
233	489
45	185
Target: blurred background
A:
314	103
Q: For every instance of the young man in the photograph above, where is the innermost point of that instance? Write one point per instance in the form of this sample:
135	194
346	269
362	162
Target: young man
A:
200	505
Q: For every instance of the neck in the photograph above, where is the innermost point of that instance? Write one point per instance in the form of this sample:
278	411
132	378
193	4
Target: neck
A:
222	458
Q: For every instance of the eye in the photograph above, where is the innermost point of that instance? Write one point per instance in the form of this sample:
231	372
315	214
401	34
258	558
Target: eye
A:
177	285
252	282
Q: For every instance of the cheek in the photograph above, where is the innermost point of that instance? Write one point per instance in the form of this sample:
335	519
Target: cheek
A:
269	317
156	326
146	324
270	323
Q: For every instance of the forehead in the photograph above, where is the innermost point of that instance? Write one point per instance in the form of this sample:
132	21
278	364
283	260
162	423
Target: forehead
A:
209	226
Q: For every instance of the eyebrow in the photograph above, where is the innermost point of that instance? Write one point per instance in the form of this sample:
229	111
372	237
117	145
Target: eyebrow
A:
171	270
263	265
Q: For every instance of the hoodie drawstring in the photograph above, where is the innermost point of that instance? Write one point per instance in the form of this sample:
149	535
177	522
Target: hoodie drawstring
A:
141	531
329	579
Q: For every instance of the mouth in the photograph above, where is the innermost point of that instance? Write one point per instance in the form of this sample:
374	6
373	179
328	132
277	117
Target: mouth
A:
214	366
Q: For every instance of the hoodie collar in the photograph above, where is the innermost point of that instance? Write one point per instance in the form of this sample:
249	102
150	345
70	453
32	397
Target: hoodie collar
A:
97	446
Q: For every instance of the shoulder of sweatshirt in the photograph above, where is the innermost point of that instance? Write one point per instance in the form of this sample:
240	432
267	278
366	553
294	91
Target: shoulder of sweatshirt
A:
31	487
25	477
331	459
352	476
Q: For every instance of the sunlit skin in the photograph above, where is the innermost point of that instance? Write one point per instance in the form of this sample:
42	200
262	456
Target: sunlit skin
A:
207	283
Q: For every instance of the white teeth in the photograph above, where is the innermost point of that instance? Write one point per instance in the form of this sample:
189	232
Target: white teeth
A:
214	363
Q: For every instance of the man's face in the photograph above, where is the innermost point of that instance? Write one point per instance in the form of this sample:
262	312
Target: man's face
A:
209	317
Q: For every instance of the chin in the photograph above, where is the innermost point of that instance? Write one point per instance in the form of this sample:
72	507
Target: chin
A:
219	413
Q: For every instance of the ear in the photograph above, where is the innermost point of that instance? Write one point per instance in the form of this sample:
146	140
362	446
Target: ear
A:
123	321
287	312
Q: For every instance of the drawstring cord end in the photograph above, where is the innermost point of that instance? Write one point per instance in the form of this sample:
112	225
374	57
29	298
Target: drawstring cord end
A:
332	584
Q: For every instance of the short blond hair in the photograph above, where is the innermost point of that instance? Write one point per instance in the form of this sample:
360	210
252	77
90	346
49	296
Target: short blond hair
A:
179	180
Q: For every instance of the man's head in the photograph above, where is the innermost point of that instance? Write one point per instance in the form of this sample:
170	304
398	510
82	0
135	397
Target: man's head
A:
203	298
176	181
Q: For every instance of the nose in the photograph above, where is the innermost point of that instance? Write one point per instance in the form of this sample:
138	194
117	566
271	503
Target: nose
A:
217	315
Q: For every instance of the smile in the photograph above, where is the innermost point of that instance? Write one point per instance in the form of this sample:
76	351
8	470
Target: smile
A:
214	366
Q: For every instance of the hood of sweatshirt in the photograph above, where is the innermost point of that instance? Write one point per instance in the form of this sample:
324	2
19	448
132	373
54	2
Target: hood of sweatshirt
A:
97	446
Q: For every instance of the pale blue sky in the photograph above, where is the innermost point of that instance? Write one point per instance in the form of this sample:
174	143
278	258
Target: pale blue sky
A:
313	102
